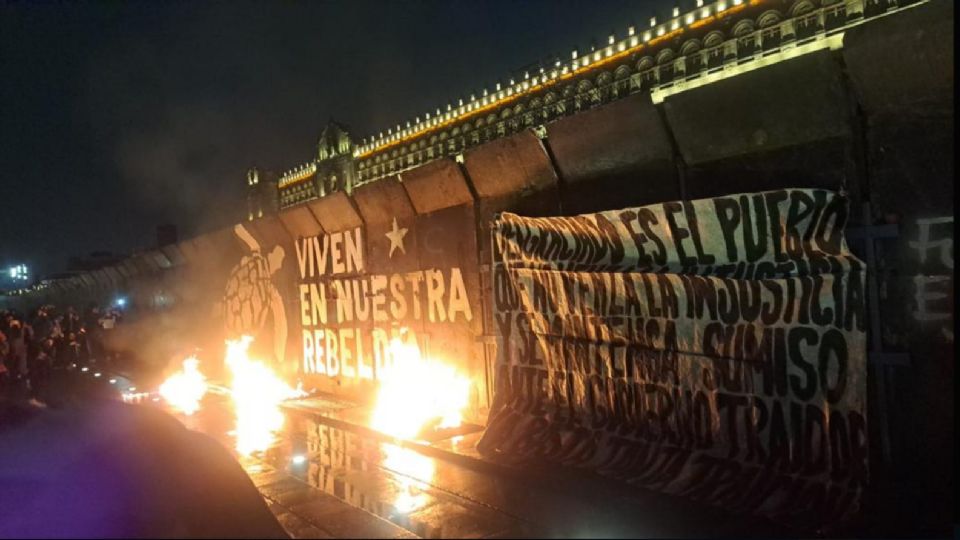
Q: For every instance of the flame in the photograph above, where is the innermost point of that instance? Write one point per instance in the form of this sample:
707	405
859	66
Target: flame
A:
415	394
184	389
257	393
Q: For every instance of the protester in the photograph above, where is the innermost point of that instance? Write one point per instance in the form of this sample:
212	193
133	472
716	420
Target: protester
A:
52	341
40	367
71	321
19	336
70	352
4	370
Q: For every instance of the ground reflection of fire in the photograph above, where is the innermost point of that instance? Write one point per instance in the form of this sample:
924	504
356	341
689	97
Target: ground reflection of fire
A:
413	467
416	394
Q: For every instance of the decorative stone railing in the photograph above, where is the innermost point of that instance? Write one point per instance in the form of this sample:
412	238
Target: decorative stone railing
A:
816	29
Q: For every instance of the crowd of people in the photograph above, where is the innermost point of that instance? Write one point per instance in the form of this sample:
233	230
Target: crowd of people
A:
35	345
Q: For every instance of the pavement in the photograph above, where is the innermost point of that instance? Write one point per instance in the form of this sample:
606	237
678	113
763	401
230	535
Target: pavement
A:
327	475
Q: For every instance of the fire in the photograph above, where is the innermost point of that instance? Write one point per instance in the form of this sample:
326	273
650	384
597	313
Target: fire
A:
184	389
416	394
257	393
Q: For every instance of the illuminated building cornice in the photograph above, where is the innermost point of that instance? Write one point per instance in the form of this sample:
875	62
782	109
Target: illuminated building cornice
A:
712	42
298	174
577	66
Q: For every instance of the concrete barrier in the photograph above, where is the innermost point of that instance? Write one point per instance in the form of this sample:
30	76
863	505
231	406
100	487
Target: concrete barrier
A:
616	155
436	185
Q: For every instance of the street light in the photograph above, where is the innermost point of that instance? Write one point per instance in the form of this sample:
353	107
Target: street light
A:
19	272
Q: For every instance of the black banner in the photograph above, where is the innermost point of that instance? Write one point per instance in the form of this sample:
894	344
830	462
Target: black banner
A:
711	349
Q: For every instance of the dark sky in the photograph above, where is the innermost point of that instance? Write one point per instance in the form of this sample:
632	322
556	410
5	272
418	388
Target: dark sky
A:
118	116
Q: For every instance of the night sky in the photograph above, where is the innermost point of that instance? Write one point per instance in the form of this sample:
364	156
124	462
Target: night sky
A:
118	116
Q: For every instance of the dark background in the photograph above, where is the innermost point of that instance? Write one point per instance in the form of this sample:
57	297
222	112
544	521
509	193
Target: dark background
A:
119	116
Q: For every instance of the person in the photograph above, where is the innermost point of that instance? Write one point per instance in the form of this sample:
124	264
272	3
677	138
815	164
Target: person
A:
70	353
94	333
71	321
109	320
19	337
83	339
40	367
4	353
42	325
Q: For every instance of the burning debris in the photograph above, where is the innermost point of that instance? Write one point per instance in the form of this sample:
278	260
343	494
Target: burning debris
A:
418	394
418	397
184	389
255	390
257	393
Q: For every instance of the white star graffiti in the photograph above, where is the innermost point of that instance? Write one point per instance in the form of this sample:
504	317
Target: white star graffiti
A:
396	238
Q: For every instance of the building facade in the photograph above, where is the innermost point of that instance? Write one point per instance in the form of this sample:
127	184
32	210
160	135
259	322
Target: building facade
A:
262	194
705	43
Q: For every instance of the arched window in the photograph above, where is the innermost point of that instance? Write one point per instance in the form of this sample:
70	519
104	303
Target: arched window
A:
665	65
713	43
602	91
805	20
743	28
692	57
800	7
689	47
647	74
770	32
582	95
769	18
746	38
713	39
665	56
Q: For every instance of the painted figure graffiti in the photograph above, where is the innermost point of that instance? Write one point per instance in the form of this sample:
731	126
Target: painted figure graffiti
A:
250	295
